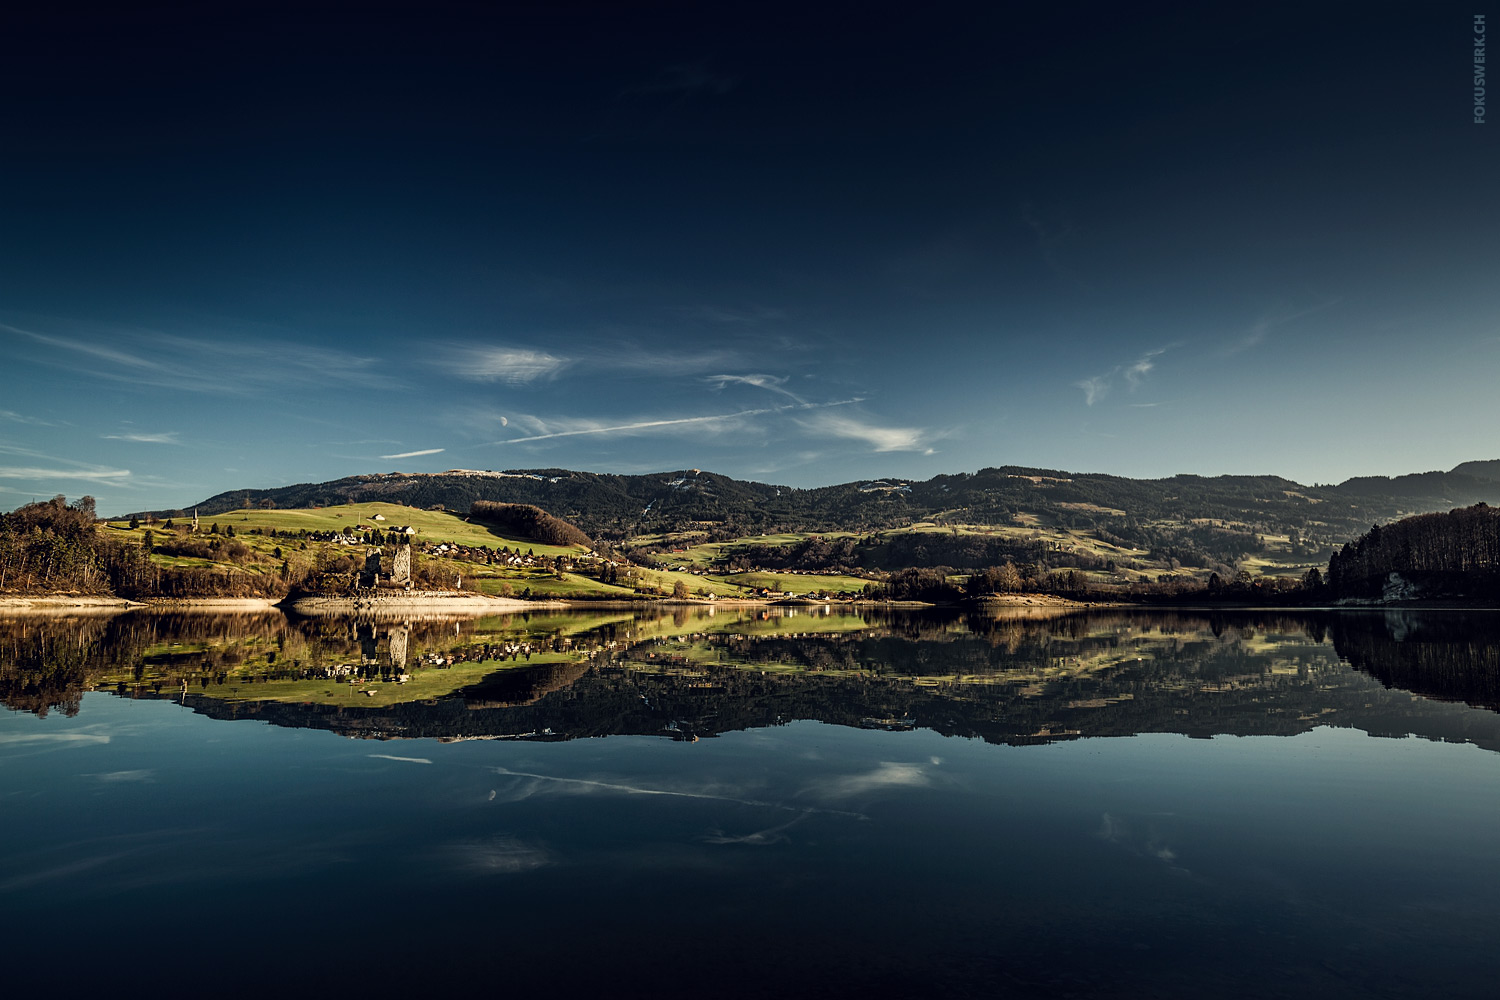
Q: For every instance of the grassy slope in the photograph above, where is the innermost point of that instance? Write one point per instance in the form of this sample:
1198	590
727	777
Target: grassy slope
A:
697	553
431	525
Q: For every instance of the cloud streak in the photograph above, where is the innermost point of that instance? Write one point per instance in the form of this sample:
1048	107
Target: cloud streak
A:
21	418
715	421
882	439
415	454
1096	387
512	365
519	365
167	437
94	474
771	383
224	364
586	786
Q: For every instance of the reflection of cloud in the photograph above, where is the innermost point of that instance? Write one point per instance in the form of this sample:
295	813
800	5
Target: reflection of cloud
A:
760	838
588	786
53	738
139	775
1115	831
409	760
887	775
57	872
499	856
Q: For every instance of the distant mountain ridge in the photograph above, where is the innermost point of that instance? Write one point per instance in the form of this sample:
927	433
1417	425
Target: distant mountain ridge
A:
607	505
1489	470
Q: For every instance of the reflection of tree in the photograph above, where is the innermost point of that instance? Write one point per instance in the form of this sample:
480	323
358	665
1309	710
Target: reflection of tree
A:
48	662
1001	679
1451	656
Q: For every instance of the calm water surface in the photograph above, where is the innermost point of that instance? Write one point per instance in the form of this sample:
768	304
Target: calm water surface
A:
1113	805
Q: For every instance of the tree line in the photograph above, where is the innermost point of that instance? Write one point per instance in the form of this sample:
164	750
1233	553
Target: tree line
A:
1456	553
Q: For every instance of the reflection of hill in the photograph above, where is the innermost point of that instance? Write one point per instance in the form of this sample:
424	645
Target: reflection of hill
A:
1455	657
49	662
1004	680
1117	675
523	685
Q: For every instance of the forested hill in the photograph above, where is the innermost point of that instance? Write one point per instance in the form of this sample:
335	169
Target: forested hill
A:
610	505
1456	554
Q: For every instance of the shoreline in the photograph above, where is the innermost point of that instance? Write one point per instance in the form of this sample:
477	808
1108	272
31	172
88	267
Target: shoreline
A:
469	603
77	604
401	602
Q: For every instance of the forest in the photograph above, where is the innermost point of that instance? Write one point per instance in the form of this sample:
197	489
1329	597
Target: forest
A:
1454	554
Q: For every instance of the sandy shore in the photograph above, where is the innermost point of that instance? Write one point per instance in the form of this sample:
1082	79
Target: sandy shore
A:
72	604
211	604
418	602
1037	601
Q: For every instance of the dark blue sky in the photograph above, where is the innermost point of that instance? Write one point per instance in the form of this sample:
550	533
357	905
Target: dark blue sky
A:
247	244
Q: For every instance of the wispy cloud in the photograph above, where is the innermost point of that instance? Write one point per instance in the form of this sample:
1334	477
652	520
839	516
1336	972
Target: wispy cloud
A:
21	418
92	474
1141	367
513	365
546	430
167	437
521	365
1052	237
735	317
1096	387
72	470
771	383
225	364
407	760
590	427
1258	331
881	438
415	454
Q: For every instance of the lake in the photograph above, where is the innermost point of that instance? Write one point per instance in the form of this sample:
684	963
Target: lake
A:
750	803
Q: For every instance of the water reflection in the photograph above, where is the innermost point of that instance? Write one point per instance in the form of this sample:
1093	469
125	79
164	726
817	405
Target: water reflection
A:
1013	679
871	855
